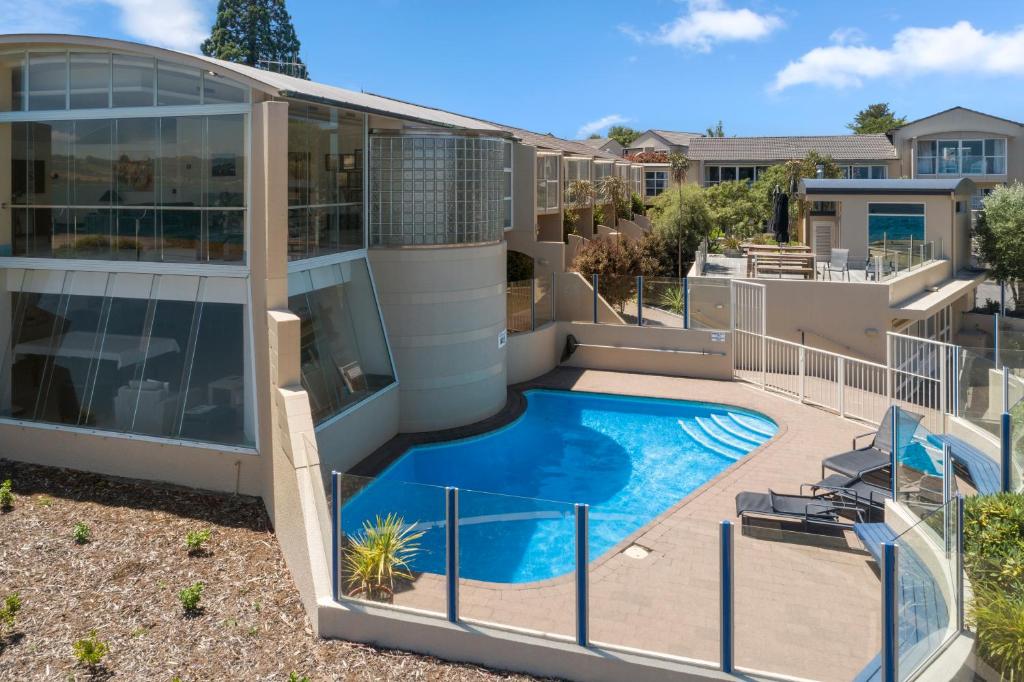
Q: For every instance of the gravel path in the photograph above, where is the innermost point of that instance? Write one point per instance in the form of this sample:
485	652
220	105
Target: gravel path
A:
124	584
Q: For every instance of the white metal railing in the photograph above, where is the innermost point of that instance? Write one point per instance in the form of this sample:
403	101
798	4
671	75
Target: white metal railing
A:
700	258
923	377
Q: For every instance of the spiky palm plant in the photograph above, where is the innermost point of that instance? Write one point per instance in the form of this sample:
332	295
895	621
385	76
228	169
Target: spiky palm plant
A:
379	555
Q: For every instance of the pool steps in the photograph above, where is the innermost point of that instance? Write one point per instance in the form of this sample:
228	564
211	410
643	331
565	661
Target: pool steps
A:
758	426
729	436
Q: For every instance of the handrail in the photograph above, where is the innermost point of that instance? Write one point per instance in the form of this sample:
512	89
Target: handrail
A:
822	336
658	350
772	339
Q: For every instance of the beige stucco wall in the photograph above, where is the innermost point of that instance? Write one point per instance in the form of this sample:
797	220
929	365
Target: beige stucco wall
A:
531	354
345	441
444	308
628	348
963	124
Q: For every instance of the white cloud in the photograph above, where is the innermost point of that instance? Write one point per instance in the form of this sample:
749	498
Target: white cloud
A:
178	24
850	35
707	22
960	48
588	129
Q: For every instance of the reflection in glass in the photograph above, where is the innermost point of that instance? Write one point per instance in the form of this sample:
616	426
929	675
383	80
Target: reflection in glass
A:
119	358
178	84
133	81
343	353
47	80
219	90
12	81
90	80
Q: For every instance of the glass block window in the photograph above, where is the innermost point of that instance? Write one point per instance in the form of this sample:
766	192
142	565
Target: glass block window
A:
437	189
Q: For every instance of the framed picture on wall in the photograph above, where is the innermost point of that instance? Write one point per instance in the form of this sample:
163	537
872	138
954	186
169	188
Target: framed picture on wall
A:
348	161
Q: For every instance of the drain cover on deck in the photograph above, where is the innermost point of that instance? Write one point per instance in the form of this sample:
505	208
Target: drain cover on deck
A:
636	552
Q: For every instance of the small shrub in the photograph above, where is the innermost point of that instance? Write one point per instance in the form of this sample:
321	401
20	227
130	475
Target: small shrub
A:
81	533
6	496
672	299
295	677
91	650
10	608
379	555
637	204
45	501
195	539
190	596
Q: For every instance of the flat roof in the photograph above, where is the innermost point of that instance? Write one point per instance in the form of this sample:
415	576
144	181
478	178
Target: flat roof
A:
900	186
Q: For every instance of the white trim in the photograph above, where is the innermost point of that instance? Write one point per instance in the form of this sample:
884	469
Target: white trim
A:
45	426
303	264
116	266
355	406
125	112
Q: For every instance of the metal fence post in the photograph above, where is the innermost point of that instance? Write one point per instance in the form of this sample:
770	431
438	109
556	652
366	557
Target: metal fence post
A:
842	385
582	575
803	372
1005	446
727	592
894	428
960	606
943	388
888	364
594	280
533	304
451	536
956	381
947	493
686	302
995	336
890	646
1002	298
640	300
336	535
554	296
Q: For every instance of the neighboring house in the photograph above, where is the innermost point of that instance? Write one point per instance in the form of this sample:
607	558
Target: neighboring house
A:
961	142
669	141
723	159
652	148
605	144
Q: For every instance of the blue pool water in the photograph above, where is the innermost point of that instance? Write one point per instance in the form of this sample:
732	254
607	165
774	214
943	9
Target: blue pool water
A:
630	459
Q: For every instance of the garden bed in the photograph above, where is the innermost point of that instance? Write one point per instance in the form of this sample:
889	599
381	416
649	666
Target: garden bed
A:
124	583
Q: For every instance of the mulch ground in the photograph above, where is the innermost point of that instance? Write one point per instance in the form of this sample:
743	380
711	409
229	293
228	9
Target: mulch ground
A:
124	584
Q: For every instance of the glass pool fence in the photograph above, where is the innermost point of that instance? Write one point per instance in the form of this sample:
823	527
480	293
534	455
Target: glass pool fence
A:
683	588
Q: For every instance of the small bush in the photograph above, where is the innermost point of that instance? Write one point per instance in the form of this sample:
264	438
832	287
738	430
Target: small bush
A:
6	496
295	677
637	204
81	533
10	608
91	650
195	539
190	596
379	555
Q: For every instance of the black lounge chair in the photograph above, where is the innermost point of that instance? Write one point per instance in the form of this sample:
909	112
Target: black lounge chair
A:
810	511
868	497
878	455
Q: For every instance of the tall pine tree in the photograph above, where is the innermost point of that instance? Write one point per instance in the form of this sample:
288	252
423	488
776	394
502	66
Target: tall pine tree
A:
257	33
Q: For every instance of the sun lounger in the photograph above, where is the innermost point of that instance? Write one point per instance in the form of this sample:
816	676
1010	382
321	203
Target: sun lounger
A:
810	511
869	497
878	455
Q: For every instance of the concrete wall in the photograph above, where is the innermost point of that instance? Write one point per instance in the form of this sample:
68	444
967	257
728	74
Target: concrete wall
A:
531	354
628	348
444	308
346	440
574	300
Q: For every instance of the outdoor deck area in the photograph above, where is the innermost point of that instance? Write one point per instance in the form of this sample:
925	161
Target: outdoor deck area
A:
736	267
805	606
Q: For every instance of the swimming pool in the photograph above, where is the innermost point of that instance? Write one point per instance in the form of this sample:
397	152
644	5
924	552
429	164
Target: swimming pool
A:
629	458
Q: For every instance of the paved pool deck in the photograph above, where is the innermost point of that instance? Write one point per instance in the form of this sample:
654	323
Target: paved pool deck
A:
805	606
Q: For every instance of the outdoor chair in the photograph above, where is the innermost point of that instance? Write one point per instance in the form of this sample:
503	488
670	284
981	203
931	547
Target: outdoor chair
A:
839	262
859	461
878	268
809	510
866	496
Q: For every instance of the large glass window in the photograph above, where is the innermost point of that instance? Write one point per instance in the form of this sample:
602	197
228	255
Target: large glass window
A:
343	353
325	180
142	354
438	189
166	189
655	182
962	157
865	172
547	182
99	80
893	225
576	169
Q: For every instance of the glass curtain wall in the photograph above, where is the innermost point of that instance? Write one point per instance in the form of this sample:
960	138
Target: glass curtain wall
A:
344	356
325	180
158	189
130	353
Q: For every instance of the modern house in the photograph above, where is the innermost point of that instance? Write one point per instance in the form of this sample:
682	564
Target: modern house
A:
668	141
231	279
605	144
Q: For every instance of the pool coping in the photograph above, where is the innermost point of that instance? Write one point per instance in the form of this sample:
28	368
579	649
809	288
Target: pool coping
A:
384	456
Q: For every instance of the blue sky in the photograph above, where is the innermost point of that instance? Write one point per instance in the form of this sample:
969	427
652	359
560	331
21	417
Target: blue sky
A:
569	68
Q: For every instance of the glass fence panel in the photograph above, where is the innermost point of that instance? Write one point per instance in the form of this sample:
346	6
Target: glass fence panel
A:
617	301
926	589
518	308
1017	445
517	561
710	303
401	524
575	297
805	606
919	467
980	389
544	300
663	302
659	589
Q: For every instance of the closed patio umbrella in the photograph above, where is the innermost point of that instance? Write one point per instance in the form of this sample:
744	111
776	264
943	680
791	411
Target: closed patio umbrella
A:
779	223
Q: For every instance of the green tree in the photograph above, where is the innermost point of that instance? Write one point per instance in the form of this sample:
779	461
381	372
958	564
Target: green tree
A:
256	33
617	263
735	209
716	130
786	177
624	135
594	136
876	118
1000	233
681	218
